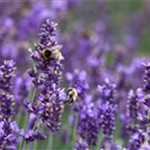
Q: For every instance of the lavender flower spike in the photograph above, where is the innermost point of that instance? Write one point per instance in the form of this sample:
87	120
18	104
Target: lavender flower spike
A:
137	140
9	130
81	144
7	100
9	133
108	119
107	91
146	87
134	103
46	77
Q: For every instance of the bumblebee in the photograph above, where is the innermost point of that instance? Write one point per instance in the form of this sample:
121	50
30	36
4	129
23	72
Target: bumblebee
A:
86	34
52	53
72	95
47	55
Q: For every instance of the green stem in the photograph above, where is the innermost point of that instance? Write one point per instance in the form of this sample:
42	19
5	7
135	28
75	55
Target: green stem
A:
50	142
31	98
26	146
99	141
35	145
74	131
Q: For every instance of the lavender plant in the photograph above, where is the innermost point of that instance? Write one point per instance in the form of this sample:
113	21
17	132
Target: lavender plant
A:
80	88
9	130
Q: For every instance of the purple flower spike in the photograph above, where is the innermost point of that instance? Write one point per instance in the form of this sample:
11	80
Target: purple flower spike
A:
107	120
107	91
137	140
46	77
81	144
50	110
9	132
146	87
108	144
30	136
7	100
134	103
88	124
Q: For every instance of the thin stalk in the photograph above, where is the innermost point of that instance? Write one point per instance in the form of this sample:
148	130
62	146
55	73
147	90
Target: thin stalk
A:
50	142
36	145
74	131
99	141
31	97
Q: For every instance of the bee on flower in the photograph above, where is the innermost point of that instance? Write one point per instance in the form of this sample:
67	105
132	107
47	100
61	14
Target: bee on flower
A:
52	53
72	96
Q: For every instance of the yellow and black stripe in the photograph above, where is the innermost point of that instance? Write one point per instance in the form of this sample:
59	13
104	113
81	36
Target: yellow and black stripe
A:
72	95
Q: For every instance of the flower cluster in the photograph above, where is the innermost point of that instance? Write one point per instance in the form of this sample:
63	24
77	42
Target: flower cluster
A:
137	140
46	77
88	125
107	92
146	87
7	100
9	130
9	134
108	119
81	144
134	103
